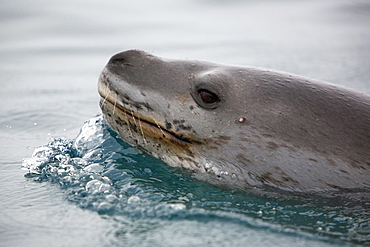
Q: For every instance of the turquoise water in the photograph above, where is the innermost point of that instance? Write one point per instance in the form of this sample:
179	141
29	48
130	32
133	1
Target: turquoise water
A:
148	199
88	188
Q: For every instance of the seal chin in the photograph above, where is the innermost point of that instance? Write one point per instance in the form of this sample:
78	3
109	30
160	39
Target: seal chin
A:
148	134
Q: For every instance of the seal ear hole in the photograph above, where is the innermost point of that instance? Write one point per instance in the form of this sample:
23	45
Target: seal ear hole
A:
208	97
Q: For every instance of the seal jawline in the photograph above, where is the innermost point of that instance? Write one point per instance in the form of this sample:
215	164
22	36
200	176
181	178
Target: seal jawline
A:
150	126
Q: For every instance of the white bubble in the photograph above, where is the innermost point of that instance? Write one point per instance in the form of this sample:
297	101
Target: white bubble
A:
177	206
133	199
97	168
96	186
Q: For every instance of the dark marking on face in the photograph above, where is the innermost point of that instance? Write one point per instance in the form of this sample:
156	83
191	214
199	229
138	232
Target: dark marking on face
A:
221	140
343	171
115	91
244	139
183	127
304	130
190	153
147	106
285	176
357	165
312	160
168	125
336	187
267	178
243	160
272	145
225	138
176	121
289	179
133	127
331	162
138	106
214	146
267	135
120	123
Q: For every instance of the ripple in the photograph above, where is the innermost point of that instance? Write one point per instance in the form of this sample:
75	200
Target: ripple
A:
99	172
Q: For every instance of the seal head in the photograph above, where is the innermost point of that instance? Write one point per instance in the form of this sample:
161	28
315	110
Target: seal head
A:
240	127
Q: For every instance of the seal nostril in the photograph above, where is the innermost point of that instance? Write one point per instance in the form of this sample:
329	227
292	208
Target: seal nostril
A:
119	59
121	62
130	58
127	58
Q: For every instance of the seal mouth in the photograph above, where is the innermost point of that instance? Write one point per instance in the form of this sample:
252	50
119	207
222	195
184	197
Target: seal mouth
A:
147	127
127	109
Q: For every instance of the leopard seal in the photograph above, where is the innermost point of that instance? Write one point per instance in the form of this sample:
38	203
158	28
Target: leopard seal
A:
240	127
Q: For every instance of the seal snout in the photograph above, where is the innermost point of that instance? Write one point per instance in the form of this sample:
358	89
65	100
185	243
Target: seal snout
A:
126	58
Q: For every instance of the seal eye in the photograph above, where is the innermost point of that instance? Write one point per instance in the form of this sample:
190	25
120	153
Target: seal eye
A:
208	97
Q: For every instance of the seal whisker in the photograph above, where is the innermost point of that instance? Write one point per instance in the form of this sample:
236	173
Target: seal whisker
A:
105	98
128	125
114	106
141	128
107	89
142	132
132	114
159	127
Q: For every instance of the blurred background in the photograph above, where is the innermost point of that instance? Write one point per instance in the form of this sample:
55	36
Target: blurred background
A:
51	54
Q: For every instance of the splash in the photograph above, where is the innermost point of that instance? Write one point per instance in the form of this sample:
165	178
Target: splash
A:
100	172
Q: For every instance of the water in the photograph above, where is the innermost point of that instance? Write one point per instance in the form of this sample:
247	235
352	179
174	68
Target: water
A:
106	193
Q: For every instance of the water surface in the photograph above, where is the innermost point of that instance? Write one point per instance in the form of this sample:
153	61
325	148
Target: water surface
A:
51	54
